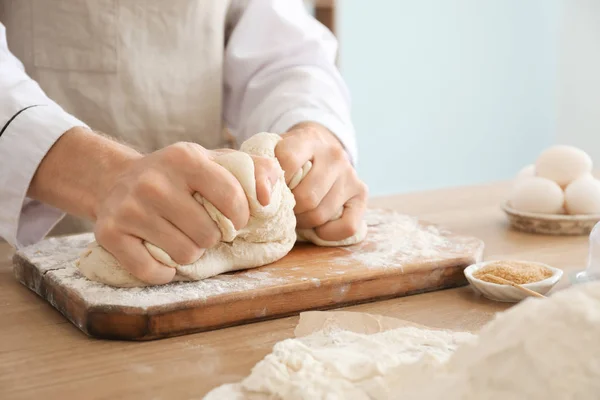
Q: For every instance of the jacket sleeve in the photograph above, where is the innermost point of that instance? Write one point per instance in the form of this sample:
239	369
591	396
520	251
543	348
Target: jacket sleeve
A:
280	70
30	123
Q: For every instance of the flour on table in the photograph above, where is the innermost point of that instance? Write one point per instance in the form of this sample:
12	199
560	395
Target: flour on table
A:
339	364
269	235
539	349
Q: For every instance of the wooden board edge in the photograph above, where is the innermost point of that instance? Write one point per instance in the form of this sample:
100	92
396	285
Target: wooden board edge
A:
139	324
193	320
27	274
129	322
378	274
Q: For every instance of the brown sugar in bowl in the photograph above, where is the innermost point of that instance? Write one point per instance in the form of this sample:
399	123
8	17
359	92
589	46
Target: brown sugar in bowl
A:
528	271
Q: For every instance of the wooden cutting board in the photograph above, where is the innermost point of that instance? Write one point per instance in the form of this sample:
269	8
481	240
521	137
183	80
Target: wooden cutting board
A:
400	256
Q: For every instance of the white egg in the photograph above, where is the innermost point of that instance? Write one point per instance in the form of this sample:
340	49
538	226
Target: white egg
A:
563	164
537	195
583	196
527	172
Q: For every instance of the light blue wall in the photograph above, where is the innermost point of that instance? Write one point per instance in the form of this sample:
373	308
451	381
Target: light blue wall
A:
449	92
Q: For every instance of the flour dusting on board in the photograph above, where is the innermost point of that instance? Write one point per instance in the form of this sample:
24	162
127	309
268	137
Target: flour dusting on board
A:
144	297
395	239
53	253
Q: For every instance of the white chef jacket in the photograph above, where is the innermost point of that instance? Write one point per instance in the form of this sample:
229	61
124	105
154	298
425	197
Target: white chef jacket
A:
154	72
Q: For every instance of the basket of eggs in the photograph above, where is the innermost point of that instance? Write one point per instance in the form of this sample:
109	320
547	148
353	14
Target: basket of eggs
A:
558	195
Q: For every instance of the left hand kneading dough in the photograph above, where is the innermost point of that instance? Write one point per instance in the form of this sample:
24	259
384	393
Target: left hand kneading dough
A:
269	235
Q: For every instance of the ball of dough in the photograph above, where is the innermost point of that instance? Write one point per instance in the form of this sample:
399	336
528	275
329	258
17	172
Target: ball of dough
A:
583	196
538	195
269	235
563	164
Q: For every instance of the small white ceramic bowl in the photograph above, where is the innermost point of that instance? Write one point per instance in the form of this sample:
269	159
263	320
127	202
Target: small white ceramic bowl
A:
507	293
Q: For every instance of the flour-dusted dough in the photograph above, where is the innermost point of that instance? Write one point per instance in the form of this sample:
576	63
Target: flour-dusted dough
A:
539	349
269	235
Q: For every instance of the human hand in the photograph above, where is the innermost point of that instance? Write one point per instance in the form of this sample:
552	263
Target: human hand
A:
331	184
151	199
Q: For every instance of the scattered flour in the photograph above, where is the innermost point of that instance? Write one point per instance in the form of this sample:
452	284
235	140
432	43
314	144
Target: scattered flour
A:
539	349
55	252
339	364
396	239
393	241
96	293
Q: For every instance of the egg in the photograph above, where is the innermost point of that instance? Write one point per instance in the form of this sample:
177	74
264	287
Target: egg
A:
563	164
537	195
582	196
527	172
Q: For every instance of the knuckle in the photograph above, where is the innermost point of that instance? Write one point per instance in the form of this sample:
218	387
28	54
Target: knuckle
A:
211	238
149	185
318	217
105	231
149	274
233	203
129	210
312	131
289	160
355	183
292	164
182	152
337	153
187	254
349	228
308	199
363	190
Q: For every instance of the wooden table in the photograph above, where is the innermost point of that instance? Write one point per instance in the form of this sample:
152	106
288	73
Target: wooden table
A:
44	356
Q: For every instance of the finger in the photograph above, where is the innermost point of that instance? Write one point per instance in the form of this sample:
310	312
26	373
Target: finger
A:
298	176
218	152
191	218
315	186
348	224
222	189
266	174
293	151
328	208
162	234
133	257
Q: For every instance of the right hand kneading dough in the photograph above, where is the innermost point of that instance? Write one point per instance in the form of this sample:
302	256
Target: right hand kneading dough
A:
269	235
